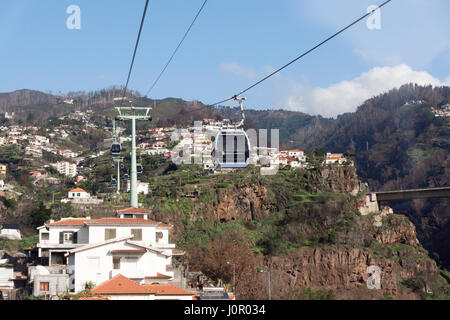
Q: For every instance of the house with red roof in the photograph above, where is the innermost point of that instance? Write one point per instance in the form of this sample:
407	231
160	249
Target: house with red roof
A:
95	250
78	193
81	196
120	287
332	158
295	153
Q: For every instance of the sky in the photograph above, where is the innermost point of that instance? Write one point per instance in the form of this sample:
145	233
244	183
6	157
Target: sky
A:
232	45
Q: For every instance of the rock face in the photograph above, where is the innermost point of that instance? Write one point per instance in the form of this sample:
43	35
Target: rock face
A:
333	268
250	204
400	231
338	179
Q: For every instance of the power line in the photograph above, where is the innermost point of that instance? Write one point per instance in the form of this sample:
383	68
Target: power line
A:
135	48
176	49
302	55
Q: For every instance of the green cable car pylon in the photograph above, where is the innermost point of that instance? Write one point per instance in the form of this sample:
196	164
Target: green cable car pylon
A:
132	113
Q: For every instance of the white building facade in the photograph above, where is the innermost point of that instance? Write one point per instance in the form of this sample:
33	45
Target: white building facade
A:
95	250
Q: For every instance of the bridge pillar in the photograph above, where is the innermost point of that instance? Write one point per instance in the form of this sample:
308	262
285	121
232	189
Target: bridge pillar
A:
370	204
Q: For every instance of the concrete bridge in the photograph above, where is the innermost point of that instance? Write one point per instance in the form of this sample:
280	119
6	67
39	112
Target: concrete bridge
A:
373	199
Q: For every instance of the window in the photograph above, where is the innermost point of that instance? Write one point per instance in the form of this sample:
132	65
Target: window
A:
128	216
110	234
45	236
78	194
66	237
116	263
137	234
159	235
43	286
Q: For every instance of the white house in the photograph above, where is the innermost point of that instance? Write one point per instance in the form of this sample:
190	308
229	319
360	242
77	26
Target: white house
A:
10	231
6	274
298	154
78	193
95	250
142	187
81	196
335	158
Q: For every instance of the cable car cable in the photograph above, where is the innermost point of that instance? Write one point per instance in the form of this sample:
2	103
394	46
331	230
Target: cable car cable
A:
176	49
302	55
135	48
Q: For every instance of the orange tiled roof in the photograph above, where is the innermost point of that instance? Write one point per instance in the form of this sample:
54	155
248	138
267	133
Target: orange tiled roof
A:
69	222
119	284
164	225
159	276
129	251
77	222
167	289
78	190
335	155
177	251
120	221
135	210
94	298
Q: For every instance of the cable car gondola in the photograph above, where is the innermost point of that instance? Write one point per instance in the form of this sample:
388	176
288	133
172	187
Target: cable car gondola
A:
126	176
116	148
139	168
122	166
113	182
232	145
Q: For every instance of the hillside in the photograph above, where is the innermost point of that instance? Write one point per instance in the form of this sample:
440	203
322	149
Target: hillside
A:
397	141
400	144
303	225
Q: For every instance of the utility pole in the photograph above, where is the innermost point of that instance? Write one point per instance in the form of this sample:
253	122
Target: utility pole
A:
131	115
118	160
268	272
234	277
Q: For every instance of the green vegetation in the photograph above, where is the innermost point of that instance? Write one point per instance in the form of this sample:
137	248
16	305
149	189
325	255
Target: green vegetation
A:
306	293
19	245
40	215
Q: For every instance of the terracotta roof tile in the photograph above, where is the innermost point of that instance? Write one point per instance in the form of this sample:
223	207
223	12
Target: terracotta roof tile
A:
167	289
175	251
134	210
69	222
78	190
159	276
120	221
119	284
80	222
129	251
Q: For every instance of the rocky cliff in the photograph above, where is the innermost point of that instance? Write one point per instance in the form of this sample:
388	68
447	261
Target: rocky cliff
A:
305	227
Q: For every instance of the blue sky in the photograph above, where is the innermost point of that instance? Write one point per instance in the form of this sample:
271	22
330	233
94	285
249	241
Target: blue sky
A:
232	44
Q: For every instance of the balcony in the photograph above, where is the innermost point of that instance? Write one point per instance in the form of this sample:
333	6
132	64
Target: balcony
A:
164	245
47	245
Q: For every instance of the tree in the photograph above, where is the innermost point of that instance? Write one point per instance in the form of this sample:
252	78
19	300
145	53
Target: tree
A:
40	215
217	260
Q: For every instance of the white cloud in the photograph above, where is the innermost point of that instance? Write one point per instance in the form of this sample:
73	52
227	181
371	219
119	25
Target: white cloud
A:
347	95
239	70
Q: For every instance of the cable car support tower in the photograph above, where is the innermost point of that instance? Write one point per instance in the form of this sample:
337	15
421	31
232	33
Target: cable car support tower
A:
133	114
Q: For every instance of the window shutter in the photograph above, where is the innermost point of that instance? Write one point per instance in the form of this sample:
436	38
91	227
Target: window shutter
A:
61	237
75	237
